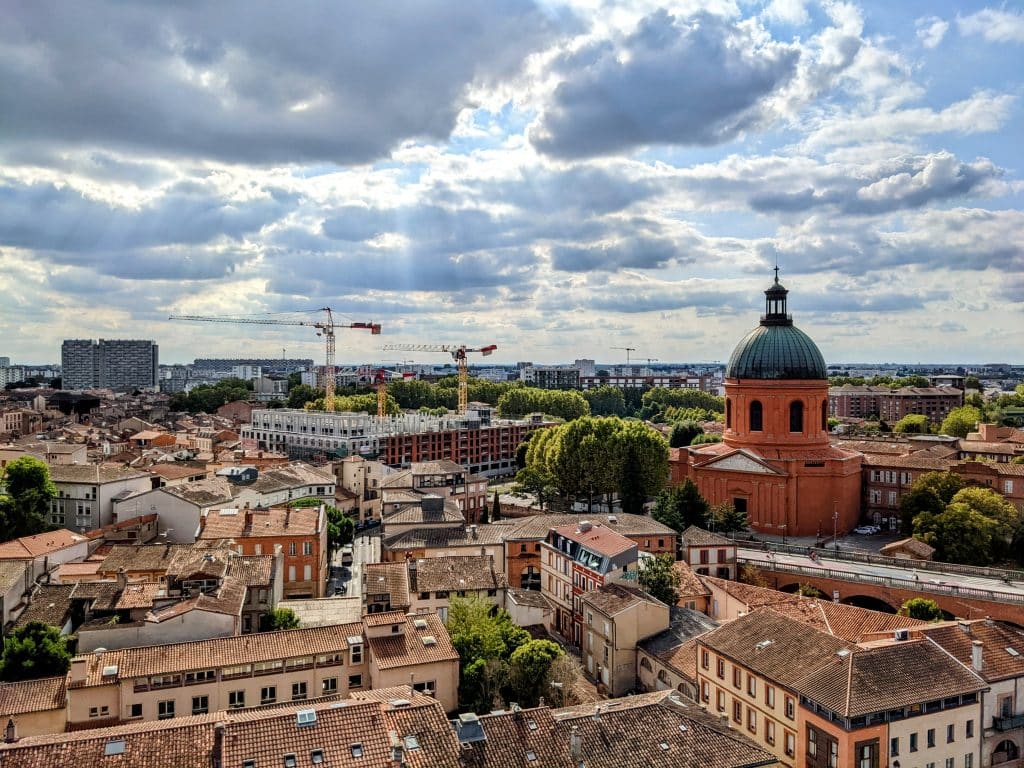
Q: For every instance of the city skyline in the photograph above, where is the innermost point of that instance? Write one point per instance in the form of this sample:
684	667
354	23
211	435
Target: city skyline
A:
556	178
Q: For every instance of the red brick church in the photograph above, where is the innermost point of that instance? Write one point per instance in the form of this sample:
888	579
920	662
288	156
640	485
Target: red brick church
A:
775	461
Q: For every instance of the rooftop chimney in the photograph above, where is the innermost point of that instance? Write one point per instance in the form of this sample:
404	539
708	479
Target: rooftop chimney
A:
11	732
584	526
78	669
122	578
575	744
965	627
248	518
472	530
976	661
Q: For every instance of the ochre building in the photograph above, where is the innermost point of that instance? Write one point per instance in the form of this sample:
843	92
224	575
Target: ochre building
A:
775	461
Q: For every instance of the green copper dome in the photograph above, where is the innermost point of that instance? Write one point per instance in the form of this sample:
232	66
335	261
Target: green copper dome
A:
776	352
776	349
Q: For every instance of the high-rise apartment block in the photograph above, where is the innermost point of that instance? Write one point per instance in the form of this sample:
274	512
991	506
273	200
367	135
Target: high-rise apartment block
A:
119	364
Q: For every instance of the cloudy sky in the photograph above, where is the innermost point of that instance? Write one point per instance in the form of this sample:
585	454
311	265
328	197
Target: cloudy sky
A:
556	178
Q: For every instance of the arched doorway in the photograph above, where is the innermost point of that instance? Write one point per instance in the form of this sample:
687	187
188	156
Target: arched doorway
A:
1006	751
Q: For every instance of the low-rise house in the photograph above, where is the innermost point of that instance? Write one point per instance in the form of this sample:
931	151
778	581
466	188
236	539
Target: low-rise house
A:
38	706
617	618
908	549
15	582
86	493
359	480
179	507
485	539
413	650
693	592
434	580
709	554
45	551
405	511
386	587
452	482
528	608
668	660
176	473
301	532
263	577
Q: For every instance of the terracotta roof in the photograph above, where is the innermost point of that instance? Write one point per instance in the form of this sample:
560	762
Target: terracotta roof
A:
698	537
911	545
274	522
204	562
536	527
92	473
142	558
997	640
612	599
50	604
599	539
218	652
204	493
408	647
512	736
435	537
415	514
390	578
228	599
907	461
295	475
12	572
169	471
253	570
30	696
102	594
141	595
455	573
644	731
690	584
29	547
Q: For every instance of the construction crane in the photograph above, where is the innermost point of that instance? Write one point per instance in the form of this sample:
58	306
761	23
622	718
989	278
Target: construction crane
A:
323	328
458	353
628	350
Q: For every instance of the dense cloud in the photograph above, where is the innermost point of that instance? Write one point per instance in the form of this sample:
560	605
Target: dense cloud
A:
253	82
675	81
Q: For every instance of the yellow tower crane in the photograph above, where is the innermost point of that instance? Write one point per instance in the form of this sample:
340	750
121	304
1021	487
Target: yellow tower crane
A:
323	328
458	353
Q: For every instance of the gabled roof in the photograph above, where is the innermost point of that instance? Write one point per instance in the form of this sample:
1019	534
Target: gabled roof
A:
457	572
699	537
30	547
410	646
1002	654
597	538
612	599
29	696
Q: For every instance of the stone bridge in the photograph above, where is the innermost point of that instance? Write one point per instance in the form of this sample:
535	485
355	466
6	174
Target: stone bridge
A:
963	593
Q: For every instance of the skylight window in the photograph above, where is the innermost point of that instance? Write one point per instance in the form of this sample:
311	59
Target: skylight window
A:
357	750
1013	651
411	743
316	756
290	761
115	747
664	746
531	756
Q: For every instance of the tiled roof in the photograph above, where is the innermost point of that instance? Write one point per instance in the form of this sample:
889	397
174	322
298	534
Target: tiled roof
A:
384	619
445	538
536	527
28	547
454	573
906	461
141	595
600	539
690	584
228	599
11	572
612	599
997	639
92	473
252	570
645	731
698	537
32	695
169	471
675	647
289	476
217	652
50	604
408	647
390	578
417	515
205	562
914	546
102	594
512	736
274	522
530	598
142	558
204	493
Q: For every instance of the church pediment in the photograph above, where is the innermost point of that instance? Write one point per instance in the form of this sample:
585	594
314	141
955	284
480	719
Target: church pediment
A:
741	461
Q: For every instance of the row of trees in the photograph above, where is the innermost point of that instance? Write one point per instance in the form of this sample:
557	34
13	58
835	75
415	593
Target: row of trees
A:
959	423
499	661
970	525
667	406
880	381
683	506
589	457
564	404
207	398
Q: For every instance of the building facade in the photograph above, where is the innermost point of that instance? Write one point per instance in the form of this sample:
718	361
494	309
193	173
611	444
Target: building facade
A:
892	404
117	364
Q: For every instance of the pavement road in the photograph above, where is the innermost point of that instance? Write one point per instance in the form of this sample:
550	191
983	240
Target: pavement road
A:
925	578
365	549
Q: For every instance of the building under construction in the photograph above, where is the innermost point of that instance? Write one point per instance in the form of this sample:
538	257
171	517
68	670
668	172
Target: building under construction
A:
477	440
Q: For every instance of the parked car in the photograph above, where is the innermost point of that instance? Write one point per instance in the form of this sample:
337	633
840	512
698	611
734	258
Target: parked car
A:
867	530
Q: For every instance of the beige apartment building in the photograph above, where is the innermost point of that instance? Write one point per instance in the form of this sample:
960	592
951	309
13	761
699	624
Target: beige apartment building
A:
182	679
617	617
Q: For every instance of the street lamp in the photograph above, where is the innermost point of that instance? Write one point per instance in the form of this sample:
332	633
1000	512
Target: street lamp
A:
835	526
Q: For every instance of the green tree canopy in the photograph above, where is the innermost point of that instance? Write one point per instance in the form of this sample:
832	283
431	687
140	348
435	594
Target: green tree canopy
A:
959	534
921	608
681	506
24	506
930	493
278	618
683	433
605	401
707	437
726	518
660	578
355	404
207	398
341	529
301	394
961	421
912	424
562	404
530	671
34	651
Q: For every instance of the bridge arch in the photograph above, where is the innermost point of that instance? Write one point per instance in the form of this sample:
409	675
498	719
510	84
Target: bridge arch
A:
868	601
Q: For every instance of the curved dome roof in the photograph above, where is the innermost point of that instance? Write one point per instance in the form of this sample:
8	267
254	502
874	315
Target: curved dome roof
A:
776	352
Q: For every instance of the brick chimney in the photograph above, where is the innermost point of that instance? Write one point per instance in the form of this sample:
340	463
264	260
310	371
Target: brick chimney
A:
248	518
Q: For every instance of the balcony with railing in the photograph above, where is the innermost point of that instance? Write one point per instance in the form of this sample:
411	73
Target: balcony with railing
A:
1007	722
